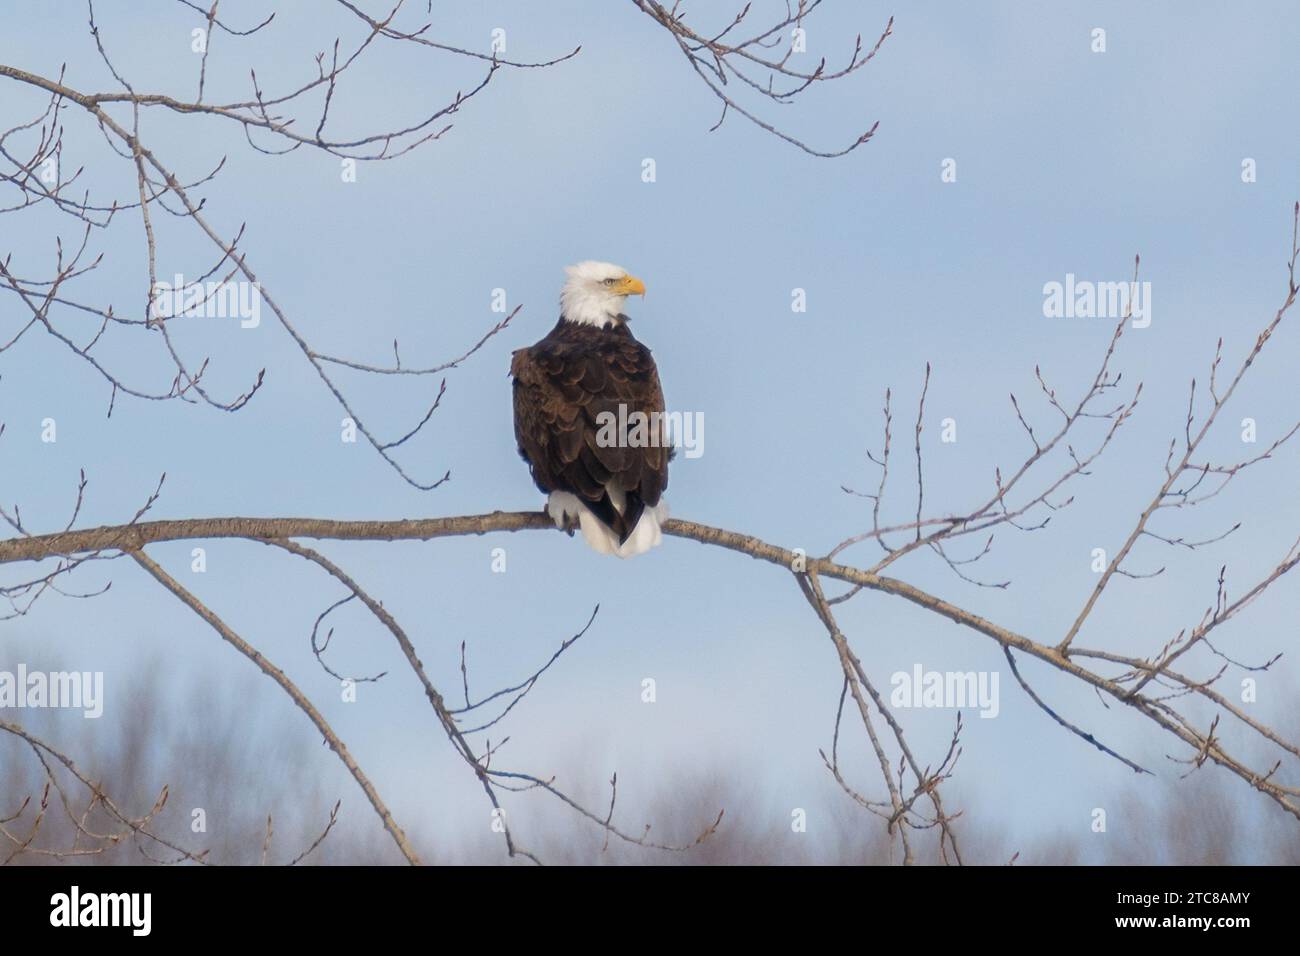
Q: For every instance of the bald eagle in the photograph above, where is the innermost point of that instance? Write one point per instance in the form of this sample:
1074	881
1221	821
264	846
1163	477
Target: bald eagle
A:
575	391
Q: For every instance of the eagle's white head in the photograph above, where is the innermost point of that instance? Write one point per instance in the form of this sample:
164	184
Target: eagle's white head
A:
595	291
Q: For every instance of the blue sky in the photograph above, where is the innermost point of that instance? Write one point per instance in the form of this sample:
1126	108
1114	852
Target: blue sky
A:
1068	161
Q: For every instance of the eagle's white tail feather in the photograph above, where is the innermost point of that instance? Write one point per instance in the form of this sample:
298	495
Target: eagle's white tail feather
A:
563	507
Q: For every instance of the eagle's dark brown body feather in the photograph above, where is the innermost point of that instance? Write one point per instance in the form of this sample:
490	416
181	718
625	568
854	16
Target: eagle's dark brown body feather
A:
561	385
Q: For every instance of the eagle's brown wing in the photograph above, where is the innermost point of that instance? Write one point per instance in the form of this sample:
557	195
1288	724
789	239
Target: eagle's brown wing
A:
561	386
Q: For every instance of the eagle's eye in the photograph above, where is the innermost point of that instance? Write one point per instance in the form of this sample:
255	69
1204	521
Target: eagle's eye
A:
608	281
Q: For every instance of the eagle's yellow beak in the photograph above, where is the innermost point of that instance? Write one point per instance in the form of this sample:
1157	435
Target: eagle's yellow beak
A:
629	285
